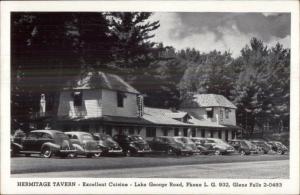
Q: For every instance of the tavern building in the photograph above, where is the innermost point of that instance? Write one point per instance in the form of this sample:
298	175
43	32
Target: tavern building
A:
105	103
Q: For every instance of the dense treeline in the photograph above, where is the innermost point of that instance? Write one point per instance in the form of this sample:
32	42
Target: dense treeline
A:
49	49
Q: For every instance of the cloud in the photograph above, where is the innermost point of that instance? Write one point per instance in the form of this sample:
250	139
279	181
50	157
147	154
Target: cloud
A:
221	31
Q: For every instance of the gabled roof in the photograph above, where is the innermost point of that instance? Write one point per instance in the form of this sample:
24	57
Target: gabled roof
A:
101	80
208	100
162	117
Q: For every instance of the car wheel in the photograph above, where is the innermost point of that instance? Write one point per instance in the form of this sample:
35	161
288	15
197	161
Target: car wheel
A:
98	154
89	155
72	155
217	152
128	153
242	152
170	151
27	155
46	152
279	151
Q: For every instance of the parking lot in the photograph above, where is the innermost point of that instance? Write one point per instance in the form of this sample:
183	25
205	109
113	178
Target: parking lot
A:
35	165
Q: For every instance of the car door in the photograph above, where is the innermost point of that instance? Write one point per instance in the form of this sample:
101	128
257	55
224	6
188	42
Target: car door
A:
30	142
43	138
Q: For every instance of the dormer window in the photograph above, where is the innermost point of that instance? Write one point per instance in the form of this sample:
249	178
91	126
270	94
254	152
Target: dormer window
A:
209	112
120	99
227	110
77	98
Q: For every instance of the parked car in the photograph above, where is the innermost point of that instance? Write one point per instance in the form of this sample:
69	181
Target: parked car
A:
107	144
278	147
132	144
169	145
84	143
46	143
202	147
262	146
187	141
244	147
219	146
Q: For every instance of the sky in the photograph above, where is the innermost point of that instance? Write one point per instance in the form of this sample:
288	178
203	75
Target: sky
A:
221	31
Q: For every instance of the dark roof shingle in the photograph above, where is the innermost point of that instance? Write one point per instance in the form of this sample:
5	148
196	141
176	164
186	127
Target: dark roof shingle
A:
101	80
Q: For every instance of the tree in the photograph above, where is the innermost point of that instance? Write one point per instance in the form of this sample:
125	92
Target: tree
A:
209	75
131	34
262	89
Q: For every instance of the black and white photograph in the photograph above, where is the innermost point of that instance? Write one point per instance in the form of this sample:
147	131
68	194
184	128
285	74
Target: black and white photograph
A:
150	94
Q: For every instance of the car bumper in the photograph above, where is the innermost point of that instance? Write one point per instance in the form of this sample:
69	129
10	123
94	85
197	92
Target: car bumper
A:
92	151
67	151
115	151
143	151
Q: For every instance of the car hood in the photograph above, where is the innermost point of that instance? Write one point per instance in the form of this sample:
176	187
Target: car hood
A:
108	143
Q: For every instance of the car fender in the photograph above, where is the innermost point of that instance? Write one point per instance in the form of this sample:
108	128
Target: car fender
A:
16	145
78	147
53	146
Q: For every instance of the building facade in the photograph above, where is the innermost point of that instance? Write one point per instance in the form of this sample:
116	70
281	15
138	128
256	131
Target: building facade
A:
104	103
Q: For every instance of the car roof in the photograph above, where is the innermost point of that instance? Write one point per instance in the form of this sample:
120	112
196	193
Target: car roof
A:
46	131
77	132
208	138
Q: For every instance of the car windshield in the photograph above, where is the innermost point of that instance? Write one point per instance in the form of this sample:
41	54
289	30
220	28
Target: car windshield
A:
210	141
169	140
179	140
249	144
62	135
187	140
87	137
136	138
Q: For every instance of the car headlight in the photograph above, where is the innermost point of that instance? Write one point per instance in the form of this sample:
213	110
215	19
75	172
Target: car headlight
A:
132	144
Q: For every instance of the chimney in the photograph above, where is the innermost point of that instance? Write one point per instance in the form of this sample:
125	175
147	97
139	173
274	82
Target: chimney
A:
42	105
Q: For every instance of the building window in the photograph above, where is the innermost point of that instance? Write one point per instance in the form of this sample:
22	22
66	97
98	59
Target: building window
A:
226	135
221	115
202	132
165	131
185	132
150	131
193	132
233	134
211	133
176	132
131	131
108	130
120	99
77	98
227	112
220	134
209	112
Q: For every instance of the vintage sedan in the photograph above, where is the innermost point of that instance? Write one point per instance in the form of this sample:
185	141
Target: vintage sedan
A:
132	144
84	143
244	147
278	147
263	146
107	144
46	143
219	146
189	143
202	147
169	145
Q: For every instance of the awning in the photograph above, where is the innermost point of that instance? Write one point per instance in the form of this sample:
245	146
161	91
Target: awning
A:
232	126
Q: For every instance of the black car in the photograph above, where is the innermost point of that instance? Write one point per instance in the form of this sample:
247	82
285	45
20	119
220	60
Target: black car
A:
44	142
169	145
262	145
202	146
84	143
132	144
278	147
244	147
107	144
